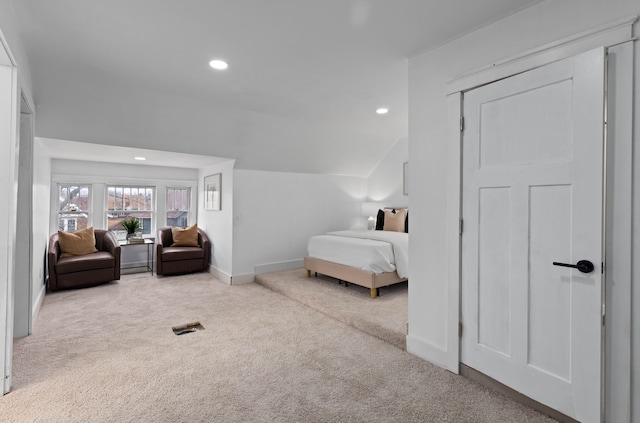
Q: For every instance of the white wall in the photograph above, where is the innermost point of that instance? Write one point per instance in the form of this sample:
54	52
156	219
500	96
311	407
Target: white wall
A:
386	181
275	213
547	22
267	217
218	224
40	222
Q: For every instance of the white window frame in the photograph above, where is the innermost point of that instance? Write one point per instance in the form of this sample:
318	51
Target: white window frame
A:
189	203
120	233
98	191
56	204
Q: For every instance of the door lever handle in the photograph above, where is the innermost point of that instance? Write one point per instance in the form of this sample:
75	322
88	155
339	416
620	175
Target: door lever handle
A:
585	266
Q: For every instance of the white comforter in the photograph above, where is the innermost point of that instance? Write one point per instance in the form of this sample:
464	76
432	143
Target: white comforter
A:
398	240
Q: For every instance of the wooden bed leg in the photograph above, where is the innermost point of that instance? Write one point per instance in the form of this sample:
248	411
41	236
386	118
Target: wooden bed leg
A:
308	273
374	293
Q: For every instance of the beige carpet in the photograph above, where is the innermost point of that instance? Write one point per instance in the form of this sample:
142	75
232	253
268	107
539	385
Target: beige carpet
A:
385	317
108	354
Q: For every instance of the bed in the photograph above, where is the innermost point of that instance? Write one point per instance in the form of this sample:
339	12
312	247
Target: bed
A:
369	258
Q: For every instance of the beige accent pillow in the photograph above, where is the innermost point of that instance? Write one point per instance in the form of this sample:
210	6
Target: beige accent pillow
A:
187	237
394	221
77	243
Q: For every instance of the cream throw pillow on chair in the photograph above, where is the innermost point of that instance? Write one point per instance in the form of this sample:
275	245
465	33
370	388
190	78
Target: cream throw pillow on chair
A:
77	243
187	237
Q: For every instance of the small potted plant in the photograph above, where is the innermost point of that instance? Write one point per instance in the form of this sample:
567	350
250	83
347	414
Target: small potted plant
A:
132	226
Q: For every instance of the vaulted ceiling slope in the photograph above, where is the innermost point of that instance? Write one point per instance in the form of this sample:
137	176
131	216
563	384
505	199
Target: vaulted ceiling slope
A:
304	79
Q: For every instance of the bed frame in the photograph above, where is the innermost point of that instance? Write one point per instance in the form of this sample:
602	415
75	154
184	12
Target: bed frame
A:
364	278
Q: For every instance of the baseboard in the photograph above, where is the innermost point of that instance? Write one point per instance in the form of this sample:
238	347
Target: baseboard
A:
491	383
242	279
219	274
259	269
278	266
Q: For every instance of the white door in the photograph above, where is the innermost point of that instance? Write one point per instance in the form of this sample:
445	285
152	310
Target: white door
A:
532	196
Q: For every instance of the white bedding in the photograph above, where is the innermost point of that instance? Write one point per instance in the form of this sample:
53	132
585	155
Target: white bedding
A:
374	251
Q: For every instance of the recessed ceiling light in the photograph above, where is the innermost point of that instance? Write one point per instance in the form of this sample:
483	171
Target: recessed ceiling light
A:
382	111
140	158
218	64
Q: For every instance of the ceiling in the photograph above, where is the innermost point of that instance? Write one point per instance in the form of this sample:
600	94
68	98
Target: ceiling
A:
304	79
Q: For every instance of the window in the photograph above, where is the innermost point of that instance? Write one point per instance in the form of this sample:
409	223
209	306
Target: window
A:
178	206
126	202
74	207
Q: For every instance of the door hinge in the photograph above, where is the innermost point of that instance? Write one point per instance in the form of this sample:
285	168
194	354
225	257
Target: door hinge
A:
460	329
461	123
461	226
602	267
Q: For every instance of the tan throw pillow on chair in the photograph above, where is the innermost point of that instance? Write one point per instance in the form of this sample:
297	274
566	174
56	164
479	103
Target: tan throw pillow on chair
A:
187	237
77	243
394	221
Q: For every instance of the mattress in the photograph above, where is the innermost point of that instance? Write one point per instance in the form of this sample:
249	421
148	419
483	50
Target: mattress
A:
366	254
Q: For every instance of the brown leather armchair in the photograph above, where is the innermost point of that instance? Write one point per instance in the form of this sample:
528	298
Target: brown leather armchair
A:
176	260
86	270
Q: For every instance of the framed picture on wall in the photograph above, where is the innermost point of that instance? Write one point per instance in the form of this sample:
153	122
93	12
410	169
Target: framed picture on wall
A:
212	192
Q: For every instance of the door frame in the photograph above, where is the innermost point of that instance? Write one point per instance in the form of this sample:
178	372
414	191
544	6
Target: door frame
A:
618	195
8	217
23	290
14	82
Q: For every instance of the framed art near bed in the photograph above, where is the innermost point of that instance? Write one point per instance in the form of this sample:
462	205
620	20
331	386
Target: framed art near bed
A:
212	192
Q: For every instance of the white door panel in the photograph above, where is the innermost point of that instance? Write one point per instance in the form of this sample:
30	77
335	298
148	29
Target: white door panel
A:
532	195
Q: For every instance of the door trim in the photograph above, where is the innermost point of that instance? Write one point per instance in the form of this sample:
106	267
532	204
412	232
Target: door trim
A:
618	241
606	35
613	34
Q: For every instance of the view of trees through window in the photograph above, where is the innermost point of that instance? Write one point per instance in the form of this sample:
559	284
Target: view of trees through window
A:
74	207
125	202
178	206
